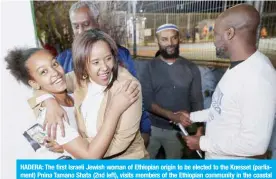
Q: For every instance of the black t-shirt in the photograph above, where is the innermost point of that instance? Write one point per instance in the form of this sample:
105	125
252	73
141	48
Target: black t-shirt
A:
235	63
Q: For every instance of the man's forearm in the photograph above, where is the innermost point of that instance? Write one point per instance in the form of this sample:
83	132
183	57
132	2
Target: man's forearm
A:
158	110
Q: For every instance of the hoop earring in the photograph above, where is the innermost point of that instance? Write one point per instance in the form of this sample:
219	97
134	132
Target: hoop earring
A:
84	76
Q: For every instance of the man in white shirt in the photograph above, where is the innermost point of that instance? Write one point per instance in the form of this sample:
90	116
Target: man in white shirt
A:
240	119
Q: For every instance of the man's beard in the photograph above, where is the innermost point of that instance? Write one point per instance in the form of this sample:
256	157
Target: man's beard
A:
165	54
221	52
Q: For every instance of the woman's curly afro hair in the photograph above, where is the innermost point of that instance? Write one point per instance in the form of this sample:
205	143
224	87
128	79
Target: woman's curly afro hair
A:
16	63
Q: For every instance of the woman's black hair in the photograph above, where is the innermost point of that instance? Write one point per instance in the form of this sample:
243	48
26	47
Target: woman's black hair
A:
16	63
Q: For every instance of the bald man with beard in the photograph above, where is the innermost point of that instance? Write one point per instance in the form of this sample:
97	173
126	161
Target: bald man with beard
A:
240	119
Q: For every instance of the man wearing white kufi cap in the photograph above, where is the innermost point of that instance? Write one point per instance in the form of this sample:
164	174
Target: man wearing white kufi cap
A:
171	84
166	27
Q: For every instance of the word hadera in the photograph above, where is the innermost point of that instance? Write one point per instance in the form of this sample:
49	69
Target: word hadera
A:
31	167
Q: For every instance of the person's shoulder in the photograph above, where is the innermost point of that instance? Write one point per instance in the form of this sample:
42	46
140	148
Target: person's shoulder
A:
186	61
124	74
260	67
123	50
191	65
154	63
263	61
155	60
66	52
124	55
256	63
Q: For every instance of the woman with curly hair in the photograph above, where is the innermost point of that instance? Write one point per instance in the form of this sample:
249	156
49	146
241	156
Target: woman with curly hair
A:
39	69
97	75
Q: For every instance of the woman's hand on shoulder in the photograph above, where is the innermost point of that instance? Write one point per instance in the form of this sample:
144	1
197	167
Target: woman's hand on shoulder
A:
124	96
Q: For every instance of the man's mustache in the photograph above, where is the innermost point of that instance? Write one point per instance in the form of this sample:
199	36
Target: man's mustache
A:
171	46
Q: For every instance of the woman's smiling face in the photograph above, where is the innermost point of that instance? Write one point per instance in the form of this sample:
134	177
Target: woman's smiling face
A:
100	63
46	72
